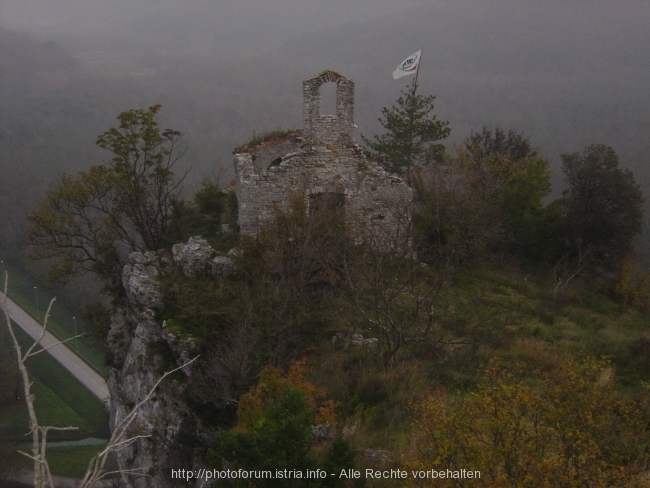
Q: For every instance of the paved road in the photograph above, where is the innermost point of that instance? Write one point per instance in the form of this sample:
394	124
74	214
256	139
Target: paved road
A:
62	353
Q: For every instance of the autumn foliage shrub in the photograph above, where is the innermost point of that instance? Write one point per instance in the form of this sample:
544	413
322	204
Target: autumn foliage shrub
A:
567	429
272	384
273	431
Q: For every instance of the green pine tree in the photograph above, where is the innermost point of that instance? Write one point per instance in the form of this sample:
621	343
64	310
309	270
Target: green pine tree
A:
411	136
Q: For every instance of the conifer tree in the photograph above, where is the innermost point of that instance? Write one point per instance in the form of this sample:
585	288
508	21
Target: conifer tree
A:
412	134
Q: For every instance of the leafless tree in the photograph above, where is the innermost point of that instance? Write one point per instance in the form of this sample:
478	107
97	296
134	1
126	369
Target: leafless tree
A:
386	288
42	475
456	223
118	440
569	267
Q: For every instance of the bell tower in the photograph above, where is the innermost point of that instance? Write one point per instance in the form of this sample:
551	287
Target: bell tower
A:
328	129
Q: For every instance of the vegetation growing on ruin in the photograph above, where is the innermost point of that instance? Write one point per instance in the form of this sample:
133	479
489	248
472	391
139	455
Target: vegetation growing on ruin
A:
267	135
494	281
489	269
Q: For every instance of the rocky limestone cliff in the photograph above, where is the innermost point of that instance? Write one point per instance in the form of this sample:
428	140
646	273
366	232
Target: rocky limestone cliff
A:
141	350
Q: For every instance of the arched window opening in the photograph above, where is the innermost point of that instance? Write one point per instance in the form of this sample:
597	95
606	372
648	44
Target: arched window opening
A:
275	162
328	98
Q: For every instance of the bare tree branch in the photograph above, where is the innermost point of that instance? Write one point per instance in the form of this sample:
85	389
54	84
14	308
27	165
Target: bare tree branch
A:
95	471
45	320
43	349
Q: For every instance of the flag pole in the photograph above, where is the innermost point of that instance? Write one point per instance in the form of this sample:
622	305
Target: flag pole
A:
412	114
417	71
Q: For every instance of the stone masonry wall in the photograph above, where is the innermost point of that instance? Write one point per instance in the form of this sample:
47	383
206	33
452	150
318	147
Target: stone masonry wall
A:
325	159
266	154
328	129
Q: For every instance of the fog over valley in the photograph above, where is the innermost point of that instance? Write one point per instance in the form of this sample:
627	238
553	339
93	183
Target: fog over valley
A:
567	74
270	263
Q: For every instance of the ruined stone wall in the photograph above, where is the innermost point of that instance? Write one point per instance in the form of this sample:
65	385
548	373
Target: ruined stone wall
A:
373	197
377	203
328	129
264	155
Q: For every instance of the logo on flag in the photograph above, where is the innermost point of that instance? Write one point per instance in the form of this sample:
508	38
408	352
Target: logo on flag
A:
408	66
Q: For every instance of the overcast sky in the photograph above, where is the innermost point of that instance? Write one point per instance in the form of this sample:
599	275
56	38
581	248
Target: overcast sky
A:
566	72
234	22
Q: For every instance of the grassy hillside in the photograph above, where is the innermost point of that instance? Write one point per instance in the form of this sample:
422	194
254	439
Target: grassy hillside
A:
501	338
61	324
60	400
529	335
72	462
522	324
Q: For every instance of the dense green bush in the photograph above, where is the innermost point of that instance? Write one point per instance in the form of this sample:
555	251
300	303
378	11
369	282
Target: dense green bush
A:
204	215
603	204
274	433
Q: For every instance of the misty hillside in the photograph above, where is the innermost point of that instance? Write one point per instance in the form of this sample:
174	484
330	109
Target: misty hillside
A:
565	74
195	27
471	293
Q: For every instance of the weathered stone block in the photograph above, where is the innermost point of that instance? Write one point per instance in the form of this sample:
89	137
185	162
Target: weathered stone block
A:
140	282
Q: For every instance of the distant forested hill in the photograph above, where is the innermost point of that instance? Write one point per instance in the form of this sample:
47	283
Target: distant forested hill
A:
566	74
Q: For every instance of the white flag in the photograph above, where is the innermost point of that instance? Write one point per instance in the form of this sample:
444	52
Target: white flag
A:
409	66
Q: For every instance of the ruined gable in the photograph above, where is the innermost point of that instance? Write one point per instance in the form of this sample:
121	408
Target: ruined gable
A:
322	163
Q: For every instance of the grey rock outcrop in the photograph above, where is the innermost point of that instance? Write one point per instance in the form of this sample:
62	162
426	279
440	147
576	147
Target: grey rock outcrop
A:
323	432
194	256
355	340
139	280
375	455
142	351
222	267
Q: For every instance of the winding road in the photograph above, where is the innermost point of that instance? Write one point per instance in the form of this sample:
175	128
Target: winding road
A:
62	353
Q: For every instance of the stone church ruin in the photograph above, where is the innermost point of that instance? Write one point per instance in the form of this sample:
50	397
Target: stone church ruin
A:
323	164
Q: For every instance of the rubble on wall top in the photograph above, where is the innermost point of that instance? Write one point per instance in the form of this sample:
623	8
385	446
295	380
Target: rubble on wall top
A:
268	142
328	71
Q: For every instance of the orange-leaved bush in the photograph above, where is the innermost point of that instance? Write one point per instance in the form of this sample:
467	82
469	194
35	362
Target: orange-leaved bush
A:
274	432
270	387
568	429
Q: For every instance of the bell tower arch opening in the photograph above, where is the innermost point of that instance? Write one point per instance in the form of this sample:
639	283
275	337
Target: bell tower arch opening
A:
324	125
328	98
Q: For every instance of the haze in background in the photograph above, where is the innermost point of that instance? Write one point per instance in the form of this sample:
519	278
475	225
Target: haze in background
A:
567	73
